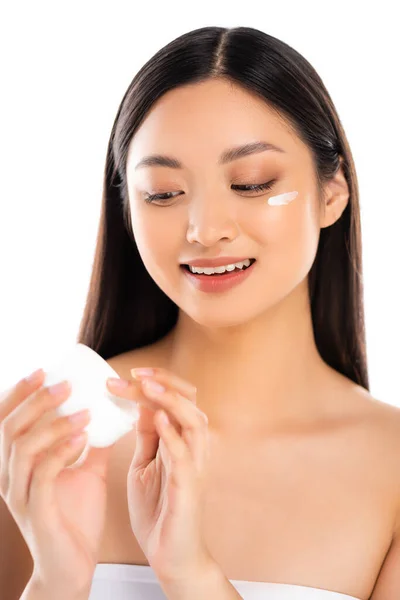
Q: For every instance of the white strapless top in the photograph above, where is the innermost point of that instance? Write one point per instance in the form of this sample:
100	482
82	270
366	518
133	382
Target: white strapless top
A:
139	582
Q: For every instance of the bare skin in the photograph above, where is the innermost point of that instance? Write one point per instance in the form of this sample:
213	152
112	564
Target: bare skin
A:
303	473
321	514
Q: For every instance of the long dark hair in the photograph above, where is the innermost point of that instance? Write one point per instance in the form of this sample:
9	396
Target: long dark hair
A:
125	309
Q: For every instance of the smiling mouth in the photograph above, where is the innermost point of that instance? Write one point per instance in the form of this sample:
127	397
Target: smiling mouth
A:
224	274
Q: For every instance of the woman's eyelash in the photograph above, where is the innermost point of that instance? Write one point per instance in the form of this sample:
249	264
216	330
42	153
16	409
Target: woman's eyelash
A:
256	187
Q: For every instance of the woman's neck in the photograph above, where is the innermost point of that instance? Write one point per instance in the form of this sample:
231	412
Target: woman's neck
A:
255	375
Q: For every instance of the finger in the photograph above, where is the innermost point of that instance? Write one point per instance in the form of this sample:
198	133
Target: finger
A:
178	451
171	380
128	389
192	421
25	451
180	407
41	495
14	395
26	414
132	390
182	386
147	439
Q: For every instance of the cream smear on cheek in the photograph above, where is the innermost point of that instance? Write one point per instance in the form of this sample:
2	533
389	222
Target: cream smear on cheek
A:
282	199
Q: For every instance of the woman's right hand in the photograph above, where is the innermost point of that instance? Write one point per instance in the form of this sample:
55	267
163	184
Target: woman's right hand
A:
60	512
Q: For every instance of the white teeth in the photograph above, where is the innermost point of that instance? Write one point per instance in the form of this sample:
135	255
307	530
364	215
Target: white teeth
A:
222	269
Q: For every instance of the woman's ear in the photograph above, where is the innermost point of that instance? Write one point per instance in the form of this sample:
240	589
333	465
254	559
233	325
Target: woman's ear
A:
336	197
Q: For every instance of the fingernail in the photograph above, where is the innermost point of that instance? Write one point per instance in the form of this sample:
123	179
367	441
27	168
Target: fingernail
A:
141	371
33	376
77	439
59	388
153	386
117	383
79	416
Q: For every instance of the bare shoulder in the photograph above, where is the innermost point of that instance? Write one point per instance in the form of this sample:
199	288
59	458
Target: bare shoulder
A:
381	419
382	426
153	355
385	417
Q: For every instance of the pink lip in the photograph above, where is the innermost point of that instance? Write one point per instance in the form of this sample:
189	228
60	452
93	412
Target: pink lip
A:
219	283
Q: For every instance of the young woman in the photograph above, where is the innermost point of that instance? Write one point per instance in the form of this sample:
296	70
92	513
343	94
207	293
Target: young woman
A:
278	475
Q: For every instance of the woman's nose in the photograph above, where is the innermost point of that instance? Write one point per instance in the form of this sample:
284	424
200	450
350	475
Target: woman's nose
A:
212	221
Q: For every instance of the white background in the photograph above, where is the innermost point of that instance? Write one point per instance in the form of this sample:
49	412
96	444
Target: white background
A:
65	68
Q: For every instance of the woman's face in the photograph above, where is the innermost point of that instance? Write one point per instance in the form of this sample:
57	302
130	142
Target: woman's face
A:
205	217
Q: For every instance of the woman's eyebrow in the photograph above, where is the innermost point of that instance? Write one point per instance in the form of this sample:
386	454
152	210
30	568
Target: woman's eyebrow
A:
161	160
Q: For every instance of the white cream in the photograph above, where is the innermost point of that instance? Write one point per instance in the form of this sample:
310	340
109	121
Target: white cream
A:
282	199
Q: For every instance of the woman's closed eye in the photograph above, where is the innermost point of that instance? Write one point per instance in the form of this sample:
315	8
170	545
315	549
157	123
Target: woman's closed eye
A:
253	187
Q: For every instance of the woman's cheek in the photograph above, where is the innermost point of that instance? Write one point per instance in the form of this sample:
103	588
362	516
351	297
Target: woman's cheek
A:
272	225
296	238
287	235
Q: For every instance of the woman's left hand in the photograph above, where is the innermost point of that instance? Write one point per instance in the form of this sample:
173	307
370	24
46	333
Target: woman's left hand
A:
166	476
